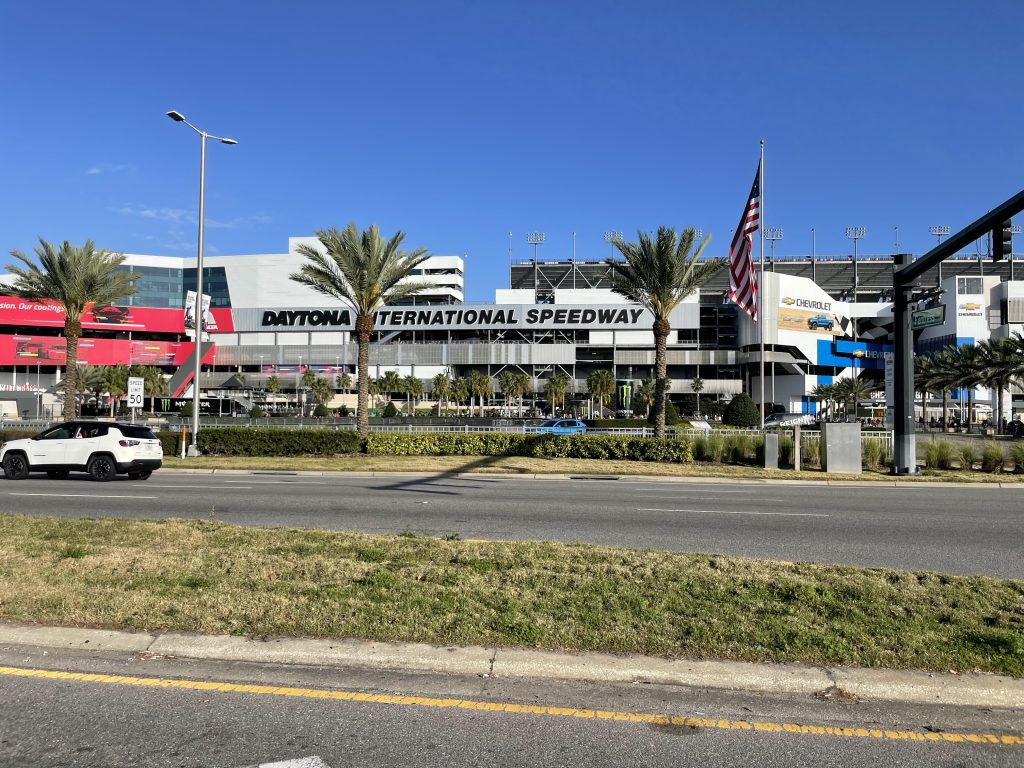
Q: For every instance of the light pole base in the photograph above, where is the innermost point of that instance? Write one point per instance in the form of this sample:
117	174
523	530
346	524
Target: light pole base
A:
193	451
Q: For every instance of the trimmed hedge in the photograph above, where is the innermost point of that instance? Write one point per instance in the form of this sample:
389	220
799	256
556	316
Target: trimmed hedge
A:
277	441
540	446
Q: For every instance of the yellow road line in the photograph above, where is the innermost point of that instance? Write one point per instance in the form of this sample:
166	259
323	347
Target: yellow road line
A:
524	709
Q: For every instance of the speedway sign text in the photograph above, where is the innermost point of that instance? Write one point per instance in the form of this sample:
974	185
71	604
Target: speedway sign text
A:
492	316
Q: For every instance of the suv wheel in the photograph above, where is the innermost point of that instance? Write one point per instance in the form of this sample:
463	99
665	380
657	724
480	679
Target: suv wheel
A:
15	466
58	474
101	468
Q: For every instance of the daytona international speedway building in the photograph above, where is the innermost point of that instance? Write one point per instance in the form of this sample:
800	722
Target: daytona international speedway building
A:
822	320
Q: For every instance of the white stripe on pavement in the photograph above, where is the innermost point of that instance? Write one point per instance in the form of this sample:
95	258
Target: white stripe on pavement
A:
83	496
732	512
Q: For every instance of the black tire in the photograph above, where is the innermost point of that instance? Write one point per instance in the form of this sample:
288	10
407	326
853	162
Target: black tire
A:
143	475
101	468
57	474
15	466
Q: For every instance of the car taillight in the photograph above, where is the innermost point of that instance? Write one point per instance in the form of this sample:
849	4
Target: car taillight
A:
128	443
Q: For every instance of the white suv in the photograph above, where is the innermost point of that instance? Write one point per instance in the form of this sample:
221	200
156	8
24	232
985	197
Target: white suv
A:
103	449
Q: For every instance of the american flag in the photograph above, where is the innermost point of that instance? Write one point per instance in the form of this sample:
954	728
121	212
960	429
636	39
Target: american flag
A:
742	279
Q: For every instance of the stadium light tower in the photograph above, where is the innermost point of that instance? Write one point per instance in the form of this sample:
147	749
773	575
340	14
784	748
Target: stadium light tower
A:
772	234
535	239
193	448
939	232
610	236
855	234
1014	230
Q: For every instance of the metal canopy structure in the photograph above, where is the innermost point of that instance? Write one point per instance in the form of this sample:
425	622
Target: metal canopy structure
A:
904	280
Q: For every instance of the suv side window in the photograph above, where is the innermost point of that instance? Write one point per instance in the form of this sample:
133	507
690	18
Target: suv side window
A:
138	433
94	430
62	432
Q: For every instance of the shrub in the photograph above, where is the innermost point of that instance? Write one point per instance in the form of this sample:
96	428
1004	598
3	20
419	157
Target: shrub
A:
1017	456
255	412
716	447
343	411
738	448
322	412
170	442
938	454
540	446
741	412
787	450
810	451
390	411
277	441
992	458
186	410
671	414
968	457
872	453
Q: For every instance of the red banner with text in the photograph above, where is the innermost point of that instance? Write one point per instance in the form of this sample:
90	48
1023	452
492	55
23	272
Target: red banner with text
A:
52	350
14	311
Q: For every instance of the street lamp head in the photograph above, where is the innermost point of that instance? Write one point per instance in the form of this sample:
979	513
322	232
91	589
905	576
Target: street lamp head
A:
228	141
176	116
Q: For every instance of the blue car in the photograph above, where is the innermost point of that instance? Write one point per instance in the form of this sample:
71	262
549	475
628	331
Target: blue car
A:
560	427
820	321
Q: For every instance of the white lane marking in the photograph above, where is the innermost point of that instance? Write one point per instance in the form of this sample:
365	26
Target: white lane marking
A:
681	498
704	488
733	512
677	497
195	487
83	496
302	762
272	482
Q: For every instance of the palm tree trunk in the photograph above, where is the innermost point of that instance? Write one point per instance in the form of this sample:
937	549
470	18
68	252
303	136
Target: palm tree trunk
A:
364	327
661	330
998	415
945	409
72	332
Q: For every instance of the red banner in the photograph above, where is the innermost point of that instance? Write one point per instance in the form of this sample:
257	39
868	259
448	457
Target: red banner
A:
15	311
52	350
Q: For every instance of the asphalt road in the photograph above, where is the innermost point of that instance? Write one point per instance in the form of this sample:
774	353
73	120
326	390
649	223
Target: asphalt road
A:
978	530
48	721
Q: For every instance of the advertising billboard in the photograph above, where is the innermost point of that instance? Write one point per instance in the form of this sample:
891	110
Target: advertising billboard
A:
153	319
52	350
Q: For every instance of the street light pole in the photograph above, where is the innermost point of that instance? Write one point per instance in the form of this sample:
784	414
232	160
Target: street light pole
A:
193	448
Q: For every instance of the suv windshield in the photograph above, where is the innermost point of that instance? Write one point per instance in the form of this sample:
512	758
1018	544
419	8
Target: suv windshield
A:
138	433
550	423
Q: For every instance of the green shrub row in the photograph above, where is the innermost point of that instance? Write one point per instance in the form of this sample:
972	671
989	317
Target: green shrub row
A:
277	441
941	454
540	446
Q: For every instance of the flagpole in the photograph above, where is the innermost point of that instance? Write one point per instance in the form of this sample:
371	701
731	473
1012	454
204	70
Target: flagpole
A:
760	302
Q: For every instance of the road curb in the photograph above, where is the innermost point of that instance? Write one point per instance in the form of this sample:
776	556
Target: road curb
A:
591	476
976	690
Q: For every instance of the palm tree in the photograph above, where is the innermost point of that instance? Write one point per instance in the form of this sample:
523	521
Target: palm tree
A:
824	393
89	378
969	366
365	272
390	383
555	388
643	397
697	385
999	358
460	393
601	384
343	382
153	382
440	389
75	278
320	390
413	388
524	385
658	274
852	391
480	386
509	383
115	381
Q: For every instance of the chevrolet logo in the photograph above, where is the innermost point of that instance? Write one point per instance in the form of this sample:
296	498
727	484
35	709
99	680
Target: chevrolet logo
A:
788	301
970	306
858	353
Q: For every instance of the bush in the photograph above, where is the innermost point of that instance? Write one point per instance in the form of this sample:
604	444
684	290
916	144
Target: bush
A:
390	411
1017	457
343	411
540	446
810	451
278	441
968	457
671	414
992	458
256	413
787	450
186	410
170	442
741	412
872	454
322	412
938	454
739	449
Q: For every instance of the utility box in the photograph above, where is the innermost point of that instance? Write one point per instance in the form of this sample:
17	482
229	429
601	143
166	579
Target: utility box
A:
841	448
771	450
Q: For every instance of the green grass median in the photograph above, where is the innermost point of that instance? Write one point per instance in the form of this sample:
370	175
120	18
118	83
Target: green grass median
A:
207	576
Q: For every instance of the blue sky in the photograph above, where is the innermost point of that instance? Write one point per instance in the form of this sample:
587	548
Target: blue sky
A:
461	121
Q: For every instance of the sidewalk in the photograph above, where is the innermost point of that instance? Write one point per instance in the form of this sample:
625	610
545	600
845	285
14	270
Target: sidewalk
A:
975	690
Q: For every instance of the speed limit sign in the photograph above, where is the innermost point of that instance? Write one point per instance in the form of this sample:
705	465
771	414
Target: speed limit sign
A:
136	389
